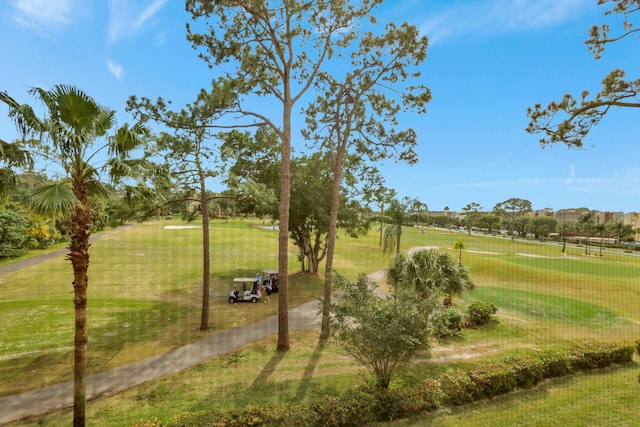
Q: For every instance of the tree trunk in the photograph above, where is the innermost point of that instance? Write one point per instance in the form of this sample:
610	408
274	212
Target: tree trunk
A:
381	224
283	232
331	241
206	255
79	257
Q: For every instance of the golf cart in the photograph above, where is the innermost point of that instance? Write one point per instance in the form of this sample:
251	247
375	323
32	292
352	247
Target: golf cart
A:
245	289
270	279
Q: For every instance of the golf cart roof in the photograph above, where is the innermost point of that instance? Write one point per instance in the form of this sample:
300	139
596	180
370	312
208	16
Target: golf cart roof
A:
270	271
244	279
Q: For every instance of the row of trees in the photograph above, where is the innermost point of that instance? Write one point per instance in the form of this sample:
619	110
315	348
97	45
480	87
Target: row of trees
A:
274	50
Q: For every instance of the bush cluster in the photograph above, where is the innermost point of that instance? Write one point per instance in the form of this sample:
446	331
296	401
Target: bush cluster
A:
360	406
480	312
447	322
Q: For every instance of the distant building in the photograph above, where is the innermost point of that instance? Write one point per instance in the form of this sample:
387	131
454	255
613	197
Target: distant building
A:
568	215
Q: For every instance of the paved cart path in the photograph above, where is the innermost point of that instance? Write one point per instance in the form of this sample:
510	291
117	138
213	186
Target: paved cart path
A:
60	396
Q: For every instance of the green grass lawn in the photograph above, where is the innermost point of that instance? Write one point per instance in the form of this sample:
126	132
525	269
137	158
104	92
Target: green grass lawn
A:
145	295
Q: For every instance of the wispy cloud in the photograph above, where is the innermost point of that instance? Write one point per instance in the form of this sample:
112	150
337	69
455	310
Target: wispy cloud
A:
43	15
161	38
116	69
488	18
127	18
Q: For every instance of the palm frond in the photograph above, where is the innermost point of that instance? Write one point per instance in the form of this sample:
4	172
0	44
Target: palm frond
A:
53	198
99	188
105	120
128	138
75	108
23	116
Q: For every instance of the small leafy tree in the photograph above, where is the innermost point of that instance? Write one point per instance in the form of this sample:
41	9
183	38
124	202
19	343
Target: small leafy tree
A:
382	333
14	231
12	156
471	214
510	209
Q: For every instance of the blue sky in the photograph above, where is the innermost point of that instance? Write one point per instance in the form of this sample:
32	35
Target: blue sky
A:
487	62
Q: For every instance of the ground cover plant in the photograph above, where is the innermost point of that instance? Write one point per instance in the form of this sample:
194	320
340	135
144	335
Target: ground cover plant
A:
541	303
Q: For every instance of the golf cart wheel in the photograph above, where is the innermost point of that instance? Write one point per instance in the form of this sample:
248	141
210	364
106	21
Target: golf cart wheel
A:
254	299
232	300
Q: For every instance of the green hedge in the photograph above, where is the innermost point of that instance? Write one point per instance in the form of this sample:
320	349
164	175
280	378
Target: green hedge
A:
360	406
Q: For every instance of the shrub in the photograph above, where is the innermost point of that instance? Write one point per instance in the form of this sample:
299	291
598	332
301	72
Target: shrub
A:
492	379
426	396
390	404
555	364
527	370
601	355
446	323
350	410
457	387
638	347
153	422
481	312
277	415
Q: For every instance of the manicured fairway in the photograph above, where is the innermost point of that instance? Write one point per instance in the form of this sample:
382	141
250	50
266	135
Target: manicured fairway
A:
145	296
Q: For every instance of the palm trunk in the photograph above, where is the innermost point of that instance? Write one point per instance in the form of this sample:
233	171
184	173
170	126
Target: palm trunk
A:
79	257
398	236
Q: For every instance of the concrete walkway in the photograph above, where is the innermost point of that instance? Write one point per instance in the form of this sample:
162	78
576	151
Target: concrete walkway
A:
60	396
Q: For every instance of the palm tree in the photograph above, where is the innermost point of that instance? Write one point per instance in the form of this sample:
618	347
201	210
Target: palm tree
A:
601	231
397	214
459	245
585	222
68	135
429	272
563	228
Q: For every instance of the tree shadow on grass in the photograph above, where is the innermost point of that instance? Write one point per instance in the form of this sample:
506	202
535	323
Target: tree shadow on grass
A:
266	372
305	382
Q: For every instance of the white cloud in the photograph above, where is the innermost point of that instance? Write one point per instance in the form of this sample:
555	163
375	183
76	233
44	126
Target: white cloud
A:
127	18
488	18
572	175
43	14
161	38
116	69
